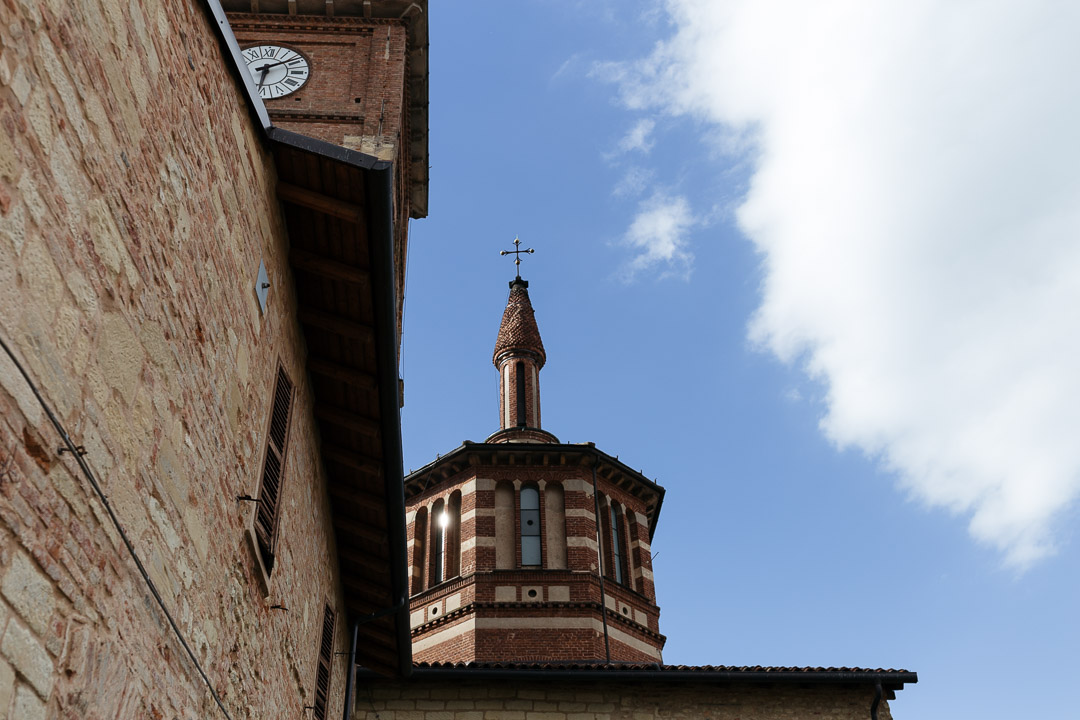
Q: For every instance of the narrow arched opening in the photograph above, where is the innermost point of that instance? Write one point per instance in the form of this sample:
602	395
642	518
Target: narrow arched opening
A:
504	526
530	527
453	535
555	521
417	571
438	543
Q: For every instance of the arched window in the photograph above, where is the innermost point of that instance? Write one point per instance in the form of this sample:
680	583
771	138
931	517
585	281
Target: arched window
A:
617	547
453	535
419	577
631	555
530	526
604	535
555	522
438	542
519	371
504	526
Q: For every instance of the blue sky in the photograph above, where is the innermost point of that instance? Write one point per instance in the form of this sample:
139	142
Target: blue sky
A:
814	270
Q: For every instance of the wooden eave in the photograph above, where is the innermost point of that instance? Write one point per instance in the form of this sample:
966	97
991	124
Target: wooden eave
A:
338	216
338	210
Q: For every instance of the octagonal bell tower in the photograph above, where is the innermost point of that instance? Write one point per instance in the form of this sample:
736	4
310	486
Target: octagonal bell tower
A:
526	549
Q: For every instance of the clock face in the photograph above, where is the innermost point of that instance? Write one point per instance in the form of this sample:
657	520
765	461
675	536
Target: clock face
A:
277	71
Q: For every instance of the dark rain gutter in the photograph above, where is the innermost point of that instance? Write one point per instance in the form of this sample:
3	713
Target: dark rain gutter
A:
379	191
338	154
600	564
890	680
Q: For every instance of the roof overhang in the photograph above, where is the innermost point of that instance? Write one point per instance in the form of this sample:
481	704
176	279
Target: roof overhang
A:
338	210
891	681
524	454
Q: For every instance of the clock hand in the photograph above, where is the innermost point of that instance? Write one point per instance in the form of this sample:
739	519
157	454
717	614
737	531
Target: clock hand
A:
270	65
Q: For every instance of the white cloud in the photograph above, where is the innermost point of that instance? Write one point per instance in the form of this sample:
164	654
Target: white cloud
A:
633	182
916	204
569	66
638	137
658	236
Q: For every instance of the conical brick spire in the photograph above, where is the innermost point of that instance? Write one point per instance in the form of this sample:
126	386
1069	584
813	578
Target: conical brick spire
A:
519	355
518	331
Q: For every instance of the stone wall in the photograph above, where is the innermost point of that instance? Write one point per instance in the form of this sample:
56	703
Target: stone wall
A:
136	203
593	698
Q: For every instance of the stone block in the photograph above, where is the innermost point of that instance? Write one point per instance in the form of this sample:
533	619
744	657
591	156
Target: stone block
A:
7	685
29	657
20	85
559	593
450	705
43	281
121	355
519	704
27	706
15	385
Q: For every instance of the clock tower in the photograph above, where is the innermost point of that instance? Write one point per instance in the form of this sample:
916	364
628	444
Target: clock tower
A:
350	72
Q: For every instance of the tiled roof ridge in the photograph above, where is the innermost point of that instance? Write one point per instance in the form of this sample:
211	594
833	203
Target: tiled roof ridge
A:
518	330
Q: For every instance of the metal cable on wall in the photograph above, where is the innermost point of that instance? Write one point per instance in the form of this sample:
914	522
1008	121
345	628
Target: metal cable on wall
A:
77	453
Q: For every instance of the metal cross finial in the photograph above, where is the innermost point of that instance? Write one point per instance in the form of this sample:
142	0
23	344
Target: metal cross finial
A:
516	252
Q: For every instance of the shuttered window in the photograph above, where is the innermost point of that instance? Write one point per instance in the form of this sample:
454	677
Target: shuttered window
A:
326	659
266	515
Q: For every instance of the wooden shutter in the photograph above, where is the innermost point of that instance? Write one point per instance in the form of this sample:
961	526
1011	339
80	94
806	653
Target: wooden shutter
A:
266	514
326	659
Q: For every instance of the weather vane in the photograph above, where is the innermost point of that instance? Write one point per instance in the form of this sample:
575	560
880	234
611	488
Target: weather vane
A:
516	252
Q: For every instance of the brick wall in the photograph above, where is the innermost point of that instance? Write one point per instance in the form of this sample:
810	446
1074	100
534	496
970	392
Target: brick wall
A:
528	614
508	393
354	97
136	202
593	698
357	82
